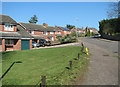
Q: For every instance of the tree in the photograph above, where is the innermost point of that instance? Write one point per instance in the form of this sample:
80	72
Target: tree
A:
70	26
113	10
33	19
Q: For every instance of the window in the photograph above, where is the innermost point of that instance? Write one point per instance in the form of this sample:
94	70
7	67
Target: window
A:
59	32
9	42
64	31
45	33
51	32
9	27
31	32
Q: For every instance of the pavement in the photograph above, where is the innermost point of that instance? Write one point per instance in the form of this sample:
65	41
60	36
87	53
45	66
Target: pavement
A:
103	65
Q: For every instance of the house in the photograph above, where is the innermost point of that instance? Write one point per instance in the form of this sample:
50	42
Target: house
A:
64	31
35	30
12	36
40	31
79	30
91	29
51	32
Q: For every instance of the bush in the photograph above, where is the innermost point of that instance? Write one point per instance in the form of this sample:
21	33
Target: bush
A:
68	39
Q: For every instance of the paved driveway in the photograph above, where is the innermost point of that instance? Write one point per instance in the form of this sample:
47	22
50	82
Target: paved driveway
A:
103	65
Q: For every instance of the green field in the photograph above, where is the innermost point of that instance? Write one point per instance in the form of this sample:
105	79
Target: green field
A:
51	62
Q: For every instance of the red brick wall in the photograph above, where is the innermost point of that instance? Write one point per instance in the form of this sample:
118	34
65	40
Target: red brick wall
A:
30	43
38	33
3	44
17	46
1	27
0	47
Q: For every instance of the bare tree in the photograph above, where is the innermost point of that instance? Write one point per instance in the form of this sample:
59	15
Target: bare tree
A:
113	10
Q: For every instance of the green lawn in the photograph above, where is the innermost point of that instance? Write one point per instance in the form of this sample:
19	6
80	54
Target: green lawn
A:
50	62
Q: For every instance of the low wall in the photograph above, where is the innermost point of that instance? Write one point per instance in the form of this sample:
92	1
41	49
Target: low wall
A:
110	37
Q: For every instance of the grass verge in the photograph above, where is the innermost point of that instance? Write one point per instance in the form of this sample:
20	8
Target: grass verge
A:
51	62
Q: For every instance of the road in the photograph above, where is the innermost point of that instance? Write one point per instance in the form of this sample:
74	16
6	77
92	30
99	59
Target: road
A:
103	65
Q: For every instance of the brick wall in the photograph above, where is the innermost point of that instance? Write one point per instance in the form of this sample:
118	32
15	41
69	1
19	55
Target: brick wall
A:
3	44
1	27
30	43
17	46
38	33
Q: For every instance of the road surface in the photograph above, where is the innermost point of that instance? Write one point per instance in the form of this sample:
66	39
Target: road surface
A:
103	65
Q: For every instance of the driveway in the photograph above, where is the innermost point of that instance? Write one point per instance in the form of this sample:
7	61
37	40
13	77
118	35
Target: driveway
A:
103	65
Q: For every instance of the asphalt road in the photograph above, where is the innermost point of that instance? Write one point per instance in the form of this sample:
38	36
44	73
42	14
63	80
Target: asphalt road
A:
103	43
103	65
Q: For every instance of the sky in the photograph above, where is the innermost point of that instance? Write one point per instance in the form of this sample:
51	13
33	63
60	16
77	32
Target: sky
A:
79	14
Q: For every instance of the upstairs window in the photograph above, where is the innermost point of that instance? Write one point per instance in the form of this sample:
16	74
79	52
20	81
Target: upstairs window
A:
31	32
51	32
9	27
64	31
45	33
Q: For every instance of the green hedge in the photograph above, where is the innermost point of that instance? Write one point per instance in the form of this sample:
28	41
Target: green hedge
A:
109	26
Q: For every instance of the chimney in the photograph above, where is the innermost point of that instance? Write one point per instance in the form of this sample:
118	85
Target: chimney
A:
45	25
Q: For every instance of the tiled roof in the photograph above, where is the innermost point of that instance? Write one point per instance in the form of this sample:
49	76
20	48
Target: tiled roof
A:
92	28
65	29
10	34
6	19
23	33
49	28
38	37
30	26
79	29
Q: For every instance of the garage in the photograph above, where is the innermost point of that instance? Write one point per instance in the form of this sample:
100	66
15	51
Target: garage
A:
25	44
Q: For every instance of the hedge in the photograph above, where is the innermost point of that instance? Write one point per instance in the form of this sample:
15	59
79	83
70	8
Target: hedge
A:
109	26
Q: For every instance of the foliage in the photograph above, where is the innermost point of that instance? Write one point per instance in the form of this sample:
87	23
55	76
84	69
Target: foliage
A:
88	33
109	26
74	34
33	19
69	38
81	35
70	26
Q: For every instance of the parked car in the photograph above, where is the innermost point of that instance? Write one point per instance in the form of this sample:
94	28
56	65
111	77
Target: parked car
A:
34	44
48	43
97	35
42	42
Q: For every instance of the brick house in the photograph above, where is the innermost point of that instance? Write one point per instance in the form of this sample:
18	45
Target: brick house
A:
64	31
50	32
94	30
35	30
12	36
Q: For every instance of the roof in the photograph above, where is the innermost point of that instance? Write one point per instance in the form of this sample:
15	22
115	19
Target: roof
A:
7	19
50	28
65	29
38	37
58	34
79	29
30	26
23	33
10	34
93	28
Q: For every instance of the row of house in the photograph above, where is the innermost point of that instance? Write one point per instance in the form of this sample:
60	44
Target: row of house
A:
19	36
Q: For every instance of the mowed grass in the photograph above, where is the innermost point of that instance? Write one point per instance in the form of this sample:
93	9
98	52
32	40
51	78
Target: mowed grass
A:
50	62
